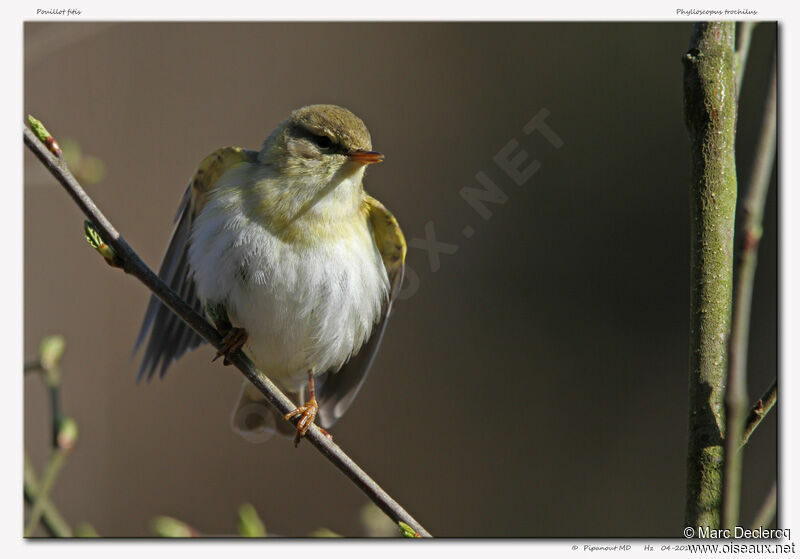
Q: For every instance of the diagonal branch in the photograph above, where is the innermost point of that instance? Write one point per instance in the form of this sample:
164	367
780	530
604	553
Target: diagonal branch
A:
133	265
759	411
41	498
52	520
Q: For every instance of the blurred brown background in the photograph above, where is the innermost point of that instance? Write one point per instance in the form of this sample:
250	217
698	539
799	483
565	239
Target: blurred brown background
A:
535	385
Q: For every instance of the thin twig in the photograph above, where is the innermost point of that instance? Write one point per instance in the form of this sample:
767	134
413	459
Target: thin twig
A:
710	111
52	380
134	265
51	519
63	430
57	459
759	411
768	509
742	50
736	399
32	366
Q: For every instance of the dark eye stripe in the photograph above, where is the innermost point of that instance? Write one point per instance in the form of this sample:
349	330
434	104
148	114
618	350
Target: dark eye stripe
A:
321	141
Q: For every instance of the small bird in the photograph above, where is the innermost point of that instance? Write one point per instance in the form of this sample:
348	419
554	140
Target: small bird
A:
292	261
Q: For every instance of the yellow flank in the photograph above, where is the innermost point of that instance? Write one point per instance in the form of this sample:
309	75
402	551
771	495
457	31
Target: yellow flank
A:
388	236
212	168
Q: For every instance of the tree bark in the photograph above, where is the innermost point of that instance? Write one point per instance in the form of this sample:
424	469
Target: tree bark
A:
710	111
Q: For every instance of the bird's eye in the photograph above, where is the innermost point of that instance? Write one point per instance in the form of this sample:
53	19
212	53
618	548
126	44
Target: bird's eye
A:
323	142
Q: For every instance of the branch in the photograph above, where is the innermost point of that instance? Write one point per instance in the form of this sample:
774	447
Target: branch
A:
62	440
52	520
745	34
759	411
57	459
32	366
768	509
710	111
736	399
132	264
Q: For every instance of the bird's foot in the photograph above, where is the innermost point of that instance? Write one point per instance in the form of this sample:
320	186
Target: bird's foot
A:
307	414
231	342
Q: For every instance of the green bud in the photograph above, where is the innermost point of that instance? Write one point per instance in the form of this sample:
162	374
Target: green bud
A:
168	527
324	533
50	351
407	531
96	241
67	433
44	136
249	523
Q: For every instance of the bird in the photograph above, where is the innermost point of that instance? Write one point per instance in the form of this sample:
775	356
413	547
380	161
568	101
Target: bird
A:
292	262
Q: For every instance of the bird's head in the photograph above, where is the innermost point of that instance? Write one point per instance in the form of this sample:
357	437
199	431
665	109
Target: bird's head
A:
320	142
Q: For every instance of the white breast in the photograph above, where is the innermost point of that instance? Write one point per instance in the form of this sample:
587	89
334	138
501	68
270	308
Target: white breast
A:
303	307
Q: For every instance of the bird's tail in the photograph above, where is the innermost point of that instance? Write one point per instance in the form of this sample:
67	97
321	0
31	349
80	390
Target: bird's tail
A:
255	419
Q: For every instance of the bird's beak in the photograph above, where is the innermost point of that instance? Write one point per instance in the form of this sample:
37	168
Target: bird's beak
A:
365	157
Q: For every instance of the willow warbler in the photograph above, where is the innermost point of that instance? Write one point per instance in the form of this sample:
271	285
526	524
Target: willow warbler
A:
291	260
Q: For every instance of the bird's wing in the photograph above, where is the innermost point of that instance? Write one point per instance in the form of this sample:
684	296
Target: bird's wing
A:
338	389
170	337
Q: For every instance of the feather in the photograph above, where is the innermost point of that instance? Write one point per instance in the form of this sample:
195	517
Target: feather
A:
170	337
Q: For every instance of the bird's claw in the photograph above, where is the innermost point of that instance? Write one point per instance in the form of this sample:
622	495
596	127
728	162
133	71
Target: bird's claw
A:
307	414
231	342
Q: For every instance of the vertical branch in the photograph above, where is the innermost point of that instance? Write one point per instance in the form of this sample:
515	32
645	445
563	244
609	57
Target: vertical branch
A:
736	400
766	514
742	50
710	111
